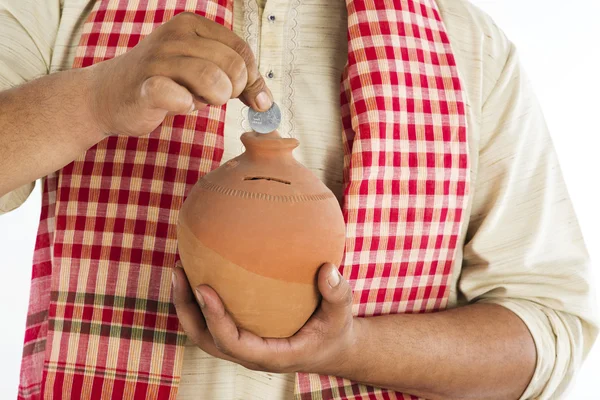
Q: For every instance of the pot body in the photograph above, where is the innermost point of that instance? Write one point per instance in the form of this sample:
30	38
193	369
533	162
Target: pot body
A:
256	230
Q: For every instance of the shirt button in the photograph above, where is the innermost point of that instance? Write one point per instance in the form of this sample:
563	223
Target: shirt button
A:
270	74
272	18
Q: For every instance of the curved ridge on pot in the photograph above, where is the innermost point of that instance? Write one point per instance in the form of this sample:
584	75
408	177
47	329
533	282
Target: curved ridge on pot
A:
206	185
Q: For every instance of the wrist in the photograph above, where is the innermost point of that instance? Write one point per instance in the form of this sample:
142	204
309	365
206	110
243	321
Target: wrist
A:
96	77
347	358
355	352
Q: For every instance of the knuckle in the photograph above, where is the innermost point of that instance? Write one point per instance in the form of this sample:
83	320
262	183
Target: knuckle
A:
187	16
237	68
242	48
178	26
221	317
217	89
345	294
211	75
154	85
172	33
256	86
221	99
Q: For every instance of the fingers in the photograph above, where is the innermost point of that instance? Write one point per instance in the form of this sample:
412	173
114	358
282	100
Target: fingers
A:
213	329
227	337
193	322
336	292
203	78
256	352
188	312
218	320
163	93
216	52
255	94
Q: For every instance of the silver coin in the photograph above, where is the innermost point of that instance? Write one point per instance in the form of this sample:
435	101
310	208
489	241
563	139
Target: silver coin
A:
265	122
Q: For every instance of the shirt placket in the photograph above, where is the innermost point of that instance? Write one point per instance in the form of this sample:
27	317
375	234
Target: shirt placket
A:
272	45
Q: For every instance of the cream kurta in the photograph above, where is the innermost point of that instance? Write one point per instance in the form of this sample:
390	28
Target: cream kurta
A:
523	248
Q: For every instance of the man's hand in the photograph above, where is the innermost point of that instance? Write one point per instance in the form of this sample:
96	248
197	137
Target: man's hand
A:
322	345
480	351
182	66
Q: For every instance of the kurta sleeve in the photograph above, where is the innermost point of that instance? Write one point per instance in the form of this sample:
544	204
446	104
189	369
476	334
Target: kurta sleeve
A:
524	248
27	34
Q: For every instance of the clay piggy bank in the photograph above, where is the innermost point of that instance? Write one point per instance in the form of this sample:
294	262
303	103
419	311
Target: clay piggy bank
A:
256	230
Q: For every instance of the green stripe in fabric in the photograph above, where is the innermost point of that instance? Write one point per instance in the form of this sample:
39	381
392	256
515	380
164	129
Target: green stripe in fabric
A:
117	331
26	392
352	391
36	318
34	347
110	373
117	302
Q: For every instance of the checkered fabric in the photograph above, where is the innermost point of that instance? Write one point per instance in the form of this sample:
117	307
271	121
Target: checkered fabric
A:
405	169
101	324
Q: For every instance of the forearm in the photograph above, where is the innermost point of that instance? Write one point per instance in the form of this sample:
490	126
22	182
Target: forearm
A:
481	351
44	125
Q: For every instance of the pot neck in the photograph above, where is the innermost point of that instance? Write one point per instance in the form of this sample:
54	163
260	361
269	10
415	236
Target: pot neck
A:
268	144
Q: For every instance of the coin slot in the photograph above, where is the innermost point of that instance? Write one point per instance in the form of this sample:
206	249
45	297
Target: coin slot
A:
266	178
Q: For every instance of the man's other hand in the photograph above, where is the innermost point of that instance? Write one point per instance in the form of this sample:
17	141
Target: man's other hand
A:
182	66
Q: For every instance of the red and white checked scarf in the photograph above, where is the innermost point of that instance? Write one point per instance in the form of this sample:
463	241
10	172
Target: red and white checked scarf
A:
101	324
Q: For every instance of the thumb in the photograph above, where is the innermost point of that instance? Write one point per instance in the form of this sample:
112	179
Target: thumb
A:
257	95
336	291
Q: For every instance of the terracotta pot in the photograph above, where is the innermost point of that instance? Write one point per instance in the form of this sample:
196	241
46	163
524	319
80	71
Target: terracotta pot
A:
256	230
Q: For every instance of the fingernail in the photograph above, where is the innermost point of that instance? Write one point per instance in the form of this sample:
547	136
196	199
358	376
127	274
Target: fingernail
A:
173	278
200	299
263	101
334	278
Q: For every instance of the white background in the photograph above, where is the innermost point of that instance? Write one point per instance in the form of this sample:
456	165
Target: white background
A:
559	44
